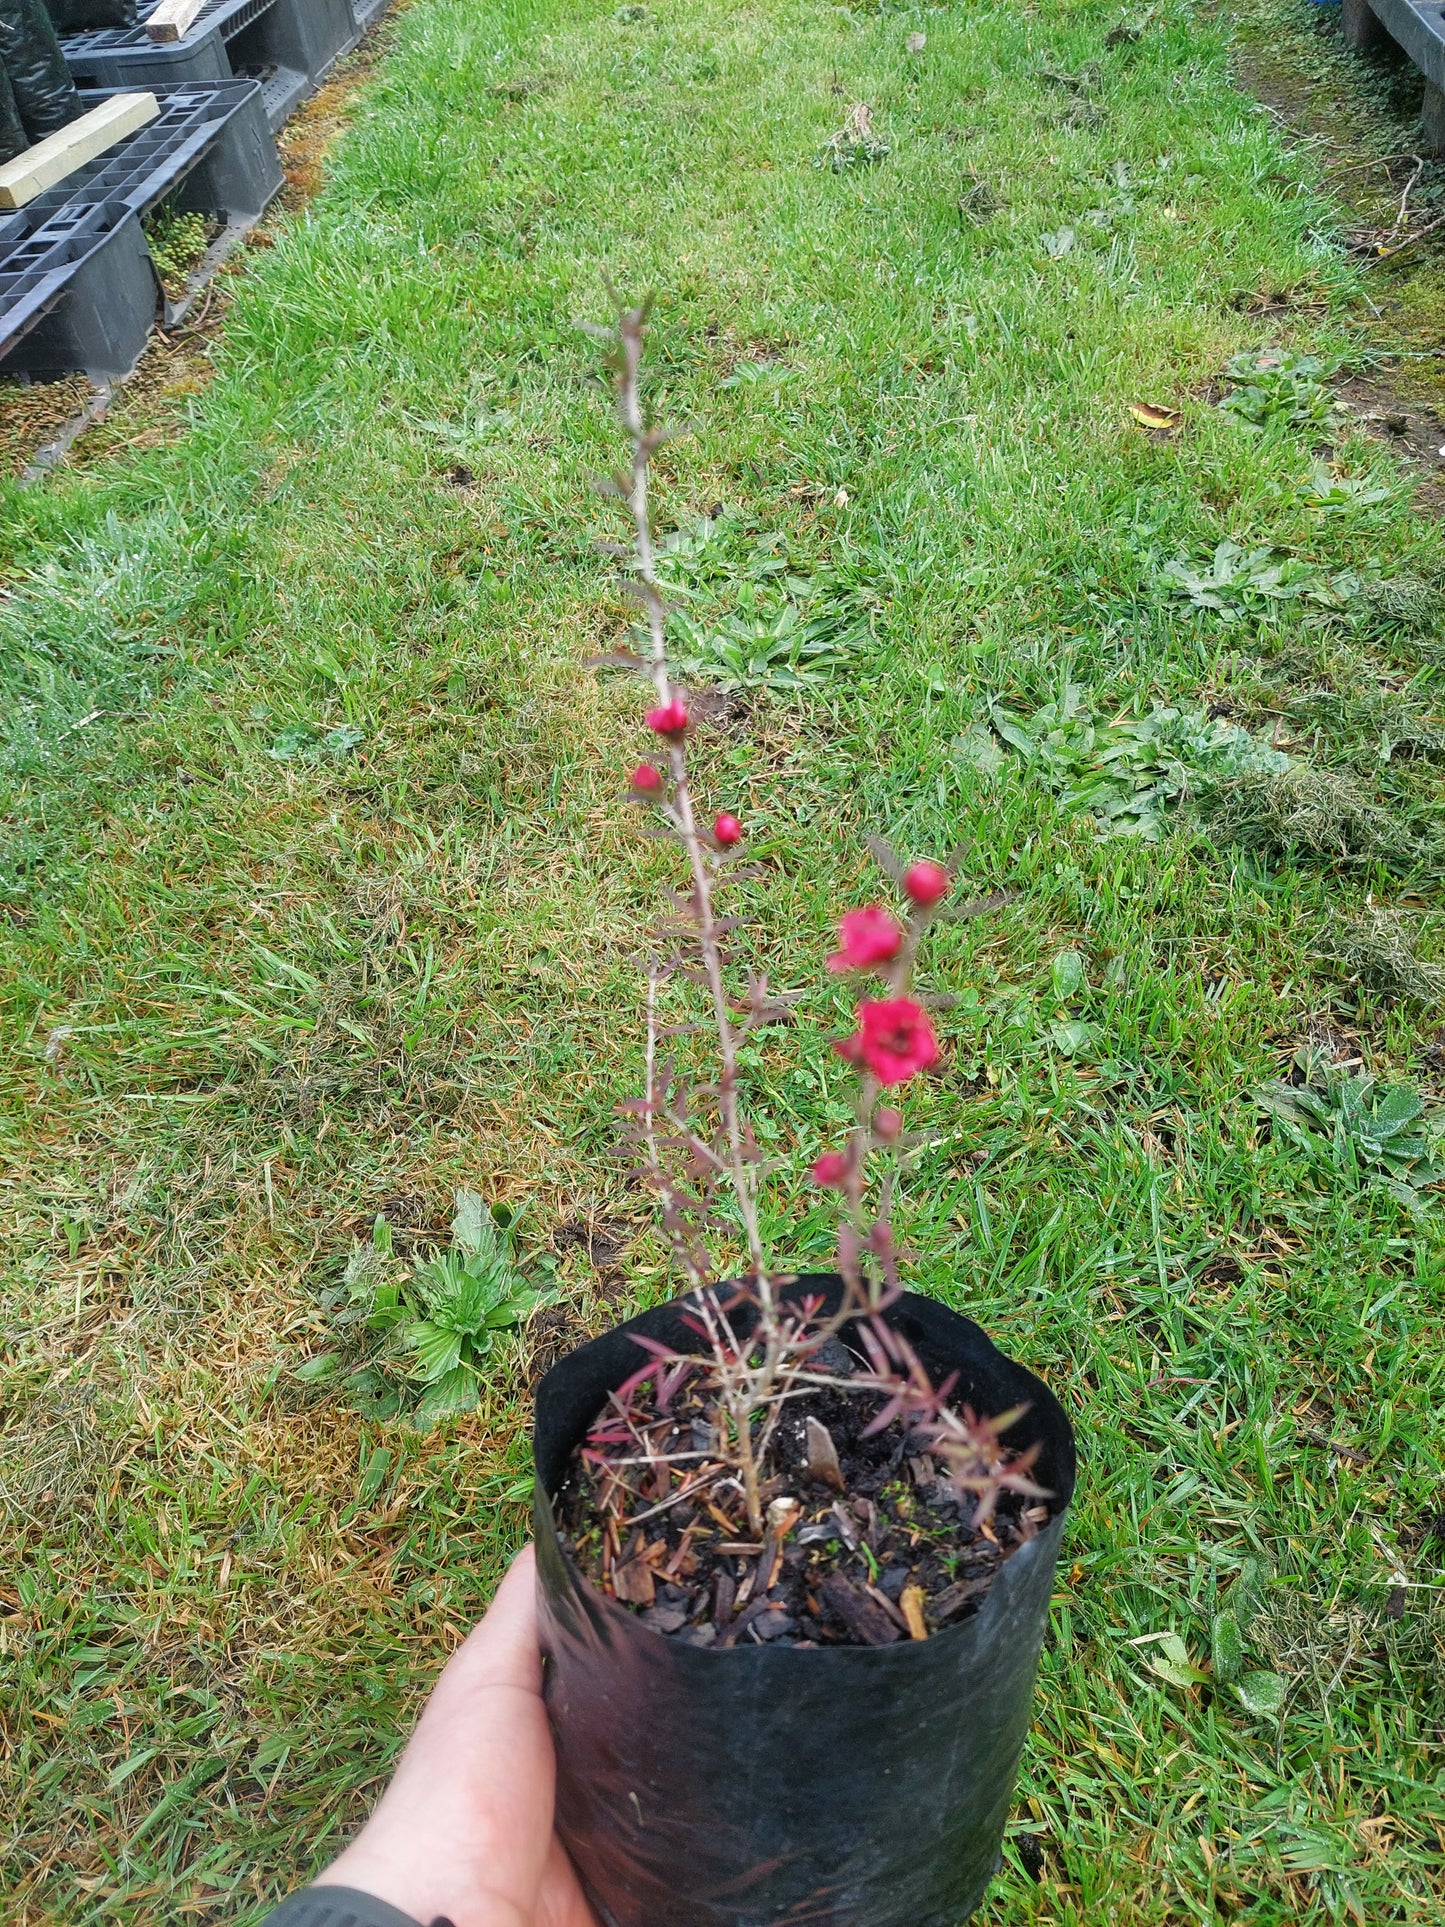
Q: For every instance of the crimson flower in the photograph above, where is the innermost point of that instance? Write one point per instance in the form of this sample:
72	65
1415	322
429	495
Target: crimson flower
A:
869	936
831	1170
894	1039
727	830
646	780
668	719
926	883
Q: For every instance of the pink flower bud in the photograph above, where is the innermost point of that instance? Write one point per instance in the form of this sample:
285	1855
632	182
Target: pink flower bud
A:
869	937
727	830
888	1124
646	780
668	719
927	883
831	1170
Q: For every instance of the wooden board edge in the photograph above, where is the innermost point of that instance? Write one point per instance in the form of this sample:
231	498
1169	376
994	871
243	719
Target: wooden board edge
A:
172	20
60	154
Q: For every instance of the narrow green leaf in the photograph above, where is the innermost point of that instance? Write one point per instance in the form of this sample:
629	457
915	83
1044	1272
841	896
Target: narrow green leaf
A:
1226	1648
471	1226
316	1371
134	1764
1068	974
374	1476
437	1349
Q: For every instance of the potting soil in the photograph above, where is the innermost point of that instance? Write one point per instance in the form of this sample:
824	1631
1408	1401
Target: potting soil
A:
884	1550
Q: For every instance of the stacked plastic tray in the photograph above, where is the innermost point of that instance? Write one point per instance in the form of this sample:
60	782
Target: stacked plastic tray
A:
1419	27
288	45
78	289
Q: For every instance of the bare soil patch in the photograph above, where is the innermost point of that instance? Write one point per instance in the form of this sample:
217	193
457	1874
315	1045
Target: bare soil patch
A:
1357	112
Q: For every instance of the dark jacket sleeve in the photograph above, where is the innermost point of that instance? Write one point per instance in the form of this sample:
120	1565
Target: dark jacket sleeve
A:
339	1907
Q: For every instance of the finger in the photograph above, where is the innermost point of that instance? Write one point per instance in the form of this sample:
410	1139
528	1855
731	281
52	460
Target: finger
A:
560	1900
466	1824
502	1650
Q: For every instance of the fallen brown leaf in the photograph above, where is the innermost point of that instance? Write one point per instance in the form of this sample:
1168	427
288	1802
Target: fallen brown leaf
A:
822	1462
1150	414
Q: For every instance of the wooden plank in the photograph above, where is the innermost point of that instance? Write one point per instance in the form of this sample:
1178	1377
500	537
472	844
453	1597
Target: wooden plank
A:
60	154
172	18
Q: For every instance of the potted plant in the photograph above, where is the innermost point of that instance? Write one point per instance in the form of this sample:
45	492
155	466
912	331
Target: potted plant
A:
796	1533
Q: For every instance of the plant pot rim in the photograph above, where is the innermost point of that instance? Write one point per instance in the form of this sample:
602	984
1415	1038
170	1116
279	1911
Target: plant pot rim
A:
768	1657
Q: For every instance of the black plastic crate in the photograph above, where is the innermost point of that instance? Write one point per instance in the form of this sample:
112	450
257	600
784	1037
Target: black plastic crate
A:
288	45
1418	26
78	289
1420	30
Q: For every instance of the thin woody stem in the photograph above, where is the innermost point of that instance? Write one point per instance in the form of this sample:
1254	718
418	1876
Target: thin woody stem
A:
632	326
748	1464
657	1168
727	1047
898	981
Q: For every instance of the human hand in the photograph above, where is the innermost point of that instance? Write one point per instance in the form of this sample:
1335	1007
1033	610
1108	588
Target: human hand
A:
465	1828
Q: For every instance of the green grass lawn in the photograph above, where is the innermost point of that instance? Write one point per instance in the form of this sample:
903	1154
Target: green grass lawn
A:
319	899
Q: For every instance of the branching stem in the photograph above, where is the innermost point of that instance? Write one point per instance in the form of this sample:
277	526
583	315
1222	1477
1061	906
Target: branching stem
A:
754	1367
632	328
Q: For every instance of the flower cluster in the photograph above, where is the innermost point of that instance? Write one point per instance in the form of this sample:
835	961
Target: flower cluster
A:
895	1039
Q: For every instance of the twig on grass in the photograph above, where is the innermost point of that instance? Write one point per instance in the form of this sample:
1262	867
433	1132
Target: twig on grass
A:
1405	197
1389	254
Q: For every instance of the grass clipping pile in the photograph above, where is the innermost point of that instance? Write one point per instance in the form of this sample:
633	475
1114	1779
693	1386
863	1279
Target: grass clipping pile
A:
868	1540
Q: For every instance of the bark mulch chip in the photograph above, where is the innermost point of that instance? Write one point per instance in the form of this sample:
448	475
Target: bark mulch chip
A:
867	1545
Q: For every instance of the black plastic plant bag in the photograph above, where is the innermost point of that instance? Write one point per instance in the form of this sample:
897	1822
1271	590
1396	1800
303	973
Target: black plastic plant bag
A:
756	1785
44	91
80	16
12	131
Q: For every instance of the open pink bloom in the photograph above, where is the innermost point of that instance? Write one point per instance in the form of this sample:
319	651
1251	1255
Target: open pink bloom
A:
668	719
646	780
831	1170
927	883
869	936
895	1039
727	830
